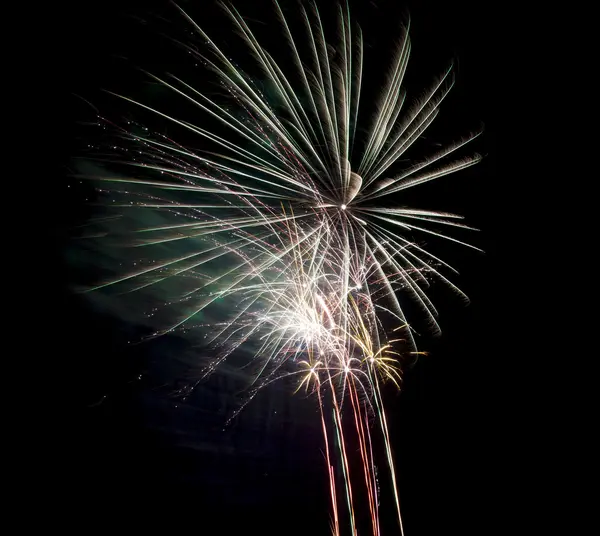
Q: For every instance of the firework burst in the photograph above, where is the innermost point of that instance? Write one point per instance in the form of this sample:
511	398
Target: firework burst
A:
289	213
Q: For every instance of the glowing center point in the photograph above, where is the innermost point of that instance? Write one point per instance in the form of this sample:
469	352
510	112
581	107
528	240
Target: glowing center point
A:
343	207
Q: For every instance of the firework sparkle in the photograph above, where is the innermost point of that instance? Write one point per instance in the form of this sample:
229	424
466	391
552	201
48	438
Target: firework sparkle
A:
290	213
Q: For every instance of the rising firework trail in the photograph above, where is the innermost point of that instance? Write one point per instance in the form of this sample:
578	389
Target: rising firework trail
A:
287	214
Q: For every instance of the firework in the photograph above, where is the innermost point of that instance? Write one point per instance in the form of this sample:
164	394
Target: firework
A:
284	212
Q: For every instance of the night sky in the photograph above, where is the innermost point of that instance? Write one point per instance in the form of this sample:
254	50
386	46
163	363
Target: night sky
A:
135	454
